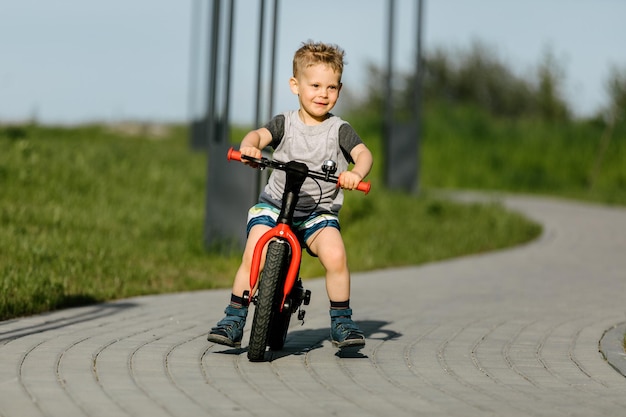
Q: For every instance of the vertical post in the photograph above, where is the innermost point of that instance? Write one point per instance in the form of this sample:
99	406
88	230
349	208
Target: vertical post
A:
265	108
388	113
259	69
270	107
230	188
417	105
225	130
259	85
196	21
400	136
213	56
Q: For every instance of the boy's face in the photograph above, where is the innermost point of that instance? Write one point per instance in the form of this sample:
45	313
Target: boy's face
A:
317	88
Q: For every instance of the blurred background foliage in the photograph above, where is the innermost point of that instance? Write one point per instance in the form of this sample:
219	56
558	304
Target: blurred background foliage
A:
485	125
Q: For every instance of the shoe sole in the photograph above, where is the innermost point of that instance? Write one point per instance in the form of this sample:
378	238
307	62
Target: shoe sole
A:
222	340
349	343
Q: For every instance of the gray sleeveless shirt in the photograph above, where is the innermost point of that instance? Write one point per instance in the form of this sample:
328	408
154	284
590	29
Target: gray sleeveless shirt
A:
311	145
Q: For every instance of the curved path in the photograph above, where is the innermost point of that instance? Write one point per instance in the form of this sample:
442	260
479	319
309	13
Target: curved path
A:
520	332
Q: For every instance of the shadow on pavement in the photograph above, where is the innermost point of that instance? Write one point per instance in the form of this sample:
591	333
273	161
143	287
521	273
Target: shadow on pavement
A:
300	342
68	318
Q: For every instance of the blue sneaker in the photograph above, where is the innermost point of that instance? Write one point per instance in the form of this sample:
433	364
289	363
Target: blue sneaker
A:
229	330
343	331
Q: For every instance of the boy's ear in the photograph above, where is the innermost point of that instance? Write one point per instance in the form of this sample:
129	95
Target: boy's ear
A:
293	84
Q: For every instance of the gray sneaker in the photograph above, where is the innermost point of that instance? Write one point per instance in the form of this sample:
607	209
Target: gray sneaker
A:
343	331
229	330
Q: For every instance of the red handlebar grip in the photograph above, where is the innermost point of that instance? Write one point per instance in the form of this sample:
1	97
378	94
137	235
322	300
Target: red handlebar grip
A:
233	154
364	186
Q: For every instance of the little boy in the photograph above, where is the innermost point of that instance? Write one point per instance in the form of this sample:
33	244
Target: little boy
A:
310	135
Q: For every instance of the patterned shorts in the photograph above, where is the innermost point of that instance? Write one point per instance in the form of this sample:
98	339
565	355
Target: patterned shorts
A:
304	227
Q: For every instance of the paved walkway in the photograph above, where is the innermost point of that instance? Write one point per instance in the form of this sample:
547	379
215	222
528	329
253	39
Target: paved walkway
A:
520	332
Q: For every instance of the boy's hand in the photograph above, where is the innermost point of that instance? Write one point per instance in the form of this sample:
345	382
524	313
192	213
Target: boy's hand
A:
250	151
349	180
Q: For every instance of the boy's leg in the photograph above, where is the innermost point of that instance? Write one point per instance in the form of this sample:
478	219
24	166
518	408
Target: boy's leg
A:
229	330
327	244
242	277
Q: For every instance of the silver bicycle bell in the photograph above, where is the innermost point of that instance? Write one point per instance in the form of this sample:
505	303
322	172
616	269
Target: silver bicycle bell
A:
329	167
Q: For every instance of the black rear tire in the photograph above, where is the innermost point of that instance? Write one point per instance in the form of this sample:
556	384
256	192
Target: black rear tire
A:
268	299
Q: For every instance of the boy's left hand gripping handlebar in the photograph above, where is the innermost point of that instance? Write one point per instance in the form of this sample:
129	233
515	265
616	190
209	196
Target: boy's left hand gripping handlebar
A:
233	154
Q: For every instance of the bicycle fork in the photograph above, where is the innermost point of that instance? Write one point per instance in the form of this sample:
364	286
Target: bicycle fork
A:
296	173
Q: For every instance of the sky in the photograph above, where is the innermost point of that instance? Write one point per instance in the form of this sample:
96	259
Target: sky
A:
77	61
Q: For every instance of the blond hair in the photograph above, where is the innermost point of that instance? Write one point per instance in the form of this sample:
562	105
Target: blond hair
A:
313	53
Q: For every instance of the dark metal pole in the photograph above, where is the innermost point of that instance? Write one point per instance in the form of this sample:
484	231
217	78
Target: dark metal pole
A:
259	72
419	70
390	43
193	57
197	117
419	74
212	69
270	109
388	111
229	54
260	181
230	191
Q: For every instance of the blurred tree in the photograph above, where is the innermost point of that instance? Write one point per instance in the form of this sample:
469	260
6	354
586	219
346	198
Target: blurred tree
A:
551	105
613	117
616	88
478	77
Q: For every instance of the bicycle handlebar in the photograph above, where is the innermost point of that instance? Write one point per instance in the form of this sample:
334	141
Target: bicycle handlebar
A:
265	162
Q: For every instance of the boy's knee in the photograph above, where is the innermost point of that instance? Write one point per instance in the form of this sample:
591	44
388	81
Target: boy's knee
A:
334	260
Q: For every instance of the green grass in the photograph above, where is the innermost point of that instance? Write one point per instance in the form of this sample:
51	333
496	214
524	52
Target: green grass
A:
89	214
579	159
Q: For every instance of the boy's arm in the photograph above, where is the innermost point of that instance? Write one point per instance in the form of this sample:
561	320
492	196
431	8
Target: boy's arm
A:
363	162
254	141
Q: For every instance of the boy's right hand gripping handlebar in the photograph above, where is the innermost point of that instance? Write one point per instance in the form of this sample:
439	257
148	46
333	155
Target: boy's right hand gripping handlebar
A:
233	154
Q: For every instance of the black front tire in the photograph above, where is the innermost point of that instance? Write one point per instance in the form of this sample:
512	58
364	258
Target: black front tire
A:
278	331
268	299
